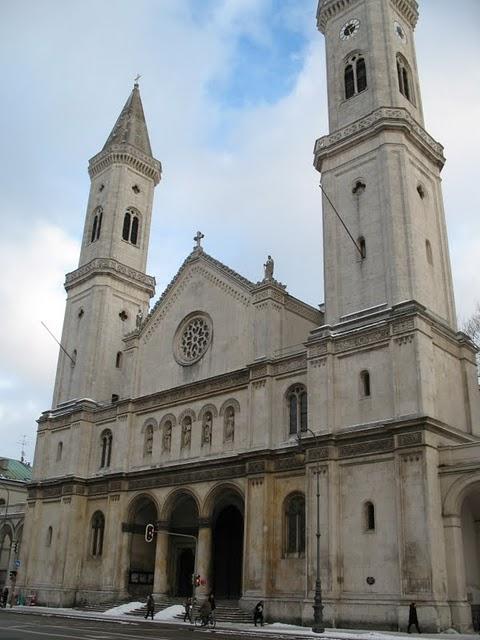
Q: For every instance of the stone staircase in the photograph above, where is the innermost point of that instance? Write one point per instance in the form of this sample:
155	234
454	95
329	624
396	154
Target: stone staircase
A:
226	611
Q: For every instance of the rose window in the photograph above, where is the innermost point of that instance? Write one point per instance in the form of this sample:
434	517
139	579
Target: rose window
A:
193	339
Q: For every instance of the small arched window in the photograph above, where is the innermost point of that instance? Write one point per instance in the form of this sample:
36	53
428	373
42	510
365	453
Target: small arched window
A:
118	360
148	447
369	515
48	539
363	247
59	451
365	384
97	224
2	502
106	448
355	75
297	409
98	528
428	251
131	226
294	514
405	83
73	360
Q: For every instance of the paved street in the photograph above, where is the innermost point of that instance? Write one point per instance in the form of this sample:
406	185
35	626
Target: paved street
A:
17	626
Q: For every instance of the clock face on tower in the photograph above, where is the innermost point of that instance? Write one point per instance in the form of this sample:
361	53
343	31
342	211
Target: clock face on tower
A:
349	29
399	31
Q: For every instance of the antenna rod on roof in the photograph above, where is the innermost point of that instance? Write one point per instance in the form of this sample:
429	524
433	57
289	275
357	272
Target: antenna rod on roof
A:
61	347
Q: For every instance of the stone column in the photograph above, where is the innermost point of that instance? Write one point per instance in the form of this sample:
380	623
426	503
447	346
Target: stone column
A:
456	576
161	583
204	557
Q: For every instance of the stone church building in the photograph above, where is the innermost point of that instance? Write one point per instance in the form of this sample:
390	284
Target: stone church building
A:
211	414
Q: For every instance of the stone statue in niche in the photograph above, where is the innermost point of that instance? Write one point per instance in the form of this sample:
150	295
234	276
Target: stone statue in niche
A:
139	318
207	429
268	267
186	433
167	436
149	441
229	424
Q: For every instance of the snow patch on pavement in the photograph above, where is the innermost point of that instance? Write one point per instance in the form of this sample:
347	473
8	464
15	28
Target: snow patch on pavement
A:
123	608
170	612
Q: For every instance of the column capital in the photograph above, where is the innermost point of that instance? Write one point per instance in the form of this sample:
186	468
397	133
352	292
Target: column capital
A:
204	523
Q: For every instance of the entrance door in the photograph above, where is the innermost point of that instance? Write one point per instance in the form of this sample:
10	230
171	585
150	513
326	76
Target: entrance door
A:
185	569
228	553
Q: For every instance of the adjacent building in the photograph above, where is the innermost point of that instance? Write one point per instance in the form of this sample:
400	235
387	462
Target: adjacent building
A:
212	414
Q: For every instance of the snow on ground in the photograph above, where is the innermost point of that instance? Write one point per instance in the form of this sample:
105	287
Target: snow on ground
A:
170	612
123	608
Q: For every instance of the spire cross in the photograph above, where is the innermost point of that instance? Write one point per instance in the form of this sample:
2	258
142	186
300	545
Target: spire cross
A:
198	239
137	78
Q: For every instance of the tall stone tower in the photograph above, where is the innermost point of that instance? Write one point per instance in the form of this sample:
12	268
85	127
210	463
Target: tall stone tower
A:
110	291
388	286
380	168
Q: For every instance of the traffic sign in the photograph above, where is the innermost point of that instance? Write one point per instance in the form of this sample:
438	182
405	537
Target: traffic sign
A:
17	563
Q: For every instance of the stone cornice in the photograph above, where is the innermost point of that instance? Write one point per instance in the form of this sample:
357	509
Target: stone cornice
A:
109	266
328	9
391	118
129	155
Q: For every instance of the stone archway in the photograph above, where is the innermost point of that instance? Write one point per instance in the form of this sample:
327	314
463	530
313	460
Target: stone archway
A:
227	545
470	523
6	539
183	532
142	553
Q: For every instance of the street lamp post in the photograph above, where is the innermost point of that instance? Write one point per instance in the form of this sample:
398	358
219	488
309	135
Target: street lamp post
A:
318	625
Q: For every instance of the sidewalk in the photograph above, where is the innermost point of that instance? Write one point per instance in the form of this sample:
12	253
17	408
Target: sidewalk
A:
277	629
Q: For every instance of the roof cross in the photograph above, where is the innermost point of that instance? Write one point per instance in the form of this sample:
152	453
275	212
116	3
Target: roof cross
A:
198	240
137	78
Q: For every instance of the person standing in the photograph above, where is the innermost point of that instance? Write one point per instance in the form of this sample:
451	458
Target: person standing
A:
258	613
5	597
213	606
150	607
188	610
412	617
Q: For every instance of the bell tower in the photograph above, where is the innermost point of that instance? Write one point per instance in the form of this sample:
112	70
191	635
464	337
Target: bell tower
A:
380	168
109	292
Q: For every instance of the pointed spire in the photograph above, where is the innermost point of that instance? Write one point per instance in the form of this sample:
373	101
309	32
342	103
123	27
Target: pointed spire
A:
131	127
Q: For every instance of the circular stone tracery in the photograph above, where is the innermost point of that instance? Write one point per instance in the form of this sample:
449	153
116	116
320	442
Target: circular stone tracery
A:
193	338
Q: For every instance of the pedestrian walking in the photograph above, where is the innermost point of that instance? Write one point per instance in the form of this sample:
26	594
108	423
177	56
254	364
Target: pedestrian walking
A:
5	597
213	606
188	610
412	617
150	607
258	613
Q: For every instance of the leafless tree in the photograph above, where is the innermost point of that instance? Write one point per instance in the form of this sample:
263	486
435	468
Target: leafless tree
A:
471	327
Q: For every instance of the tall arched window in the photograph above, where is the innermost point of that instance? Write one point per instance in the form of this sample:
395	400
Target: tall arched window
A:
362	245
131	226
106	444
369	516
98	528
294	514
355	75
48	539
148	446
97	224
297	409
59	451
405	83
365	387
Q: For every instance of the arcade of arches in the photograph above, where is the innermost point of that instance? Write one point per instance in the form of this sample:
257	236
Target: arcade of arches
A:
186	544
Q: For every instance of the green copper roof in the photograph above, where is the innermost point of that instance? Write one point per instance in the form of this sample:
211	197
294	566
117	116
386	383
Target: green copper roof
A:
15	470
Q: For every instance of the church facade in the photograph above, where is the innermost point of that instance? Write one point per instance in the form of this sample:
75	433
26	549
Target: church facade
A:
213	414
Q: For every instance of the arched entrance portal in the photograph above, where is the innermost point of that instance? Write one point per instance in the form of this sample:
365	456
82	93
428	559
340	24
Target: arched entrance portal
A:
142	553
470	518
183	531
228	546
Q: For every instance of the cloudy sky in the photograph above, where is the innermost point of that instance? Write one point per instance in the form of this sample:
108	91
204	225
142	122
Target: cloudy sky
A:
234	95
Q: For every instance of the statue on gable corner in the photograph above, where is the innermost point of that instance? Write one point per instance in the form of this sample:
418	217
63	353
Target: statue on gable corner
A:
268	267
